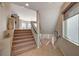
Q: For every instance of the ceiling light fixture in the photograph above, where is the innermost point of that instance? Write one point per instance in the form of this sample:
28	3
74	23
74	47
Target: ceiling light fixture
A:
27	4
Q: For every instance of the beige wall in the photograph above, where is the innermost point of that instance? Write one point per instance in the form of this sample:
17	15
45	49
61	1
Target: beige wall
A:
65	46
48	17
6	42
4	13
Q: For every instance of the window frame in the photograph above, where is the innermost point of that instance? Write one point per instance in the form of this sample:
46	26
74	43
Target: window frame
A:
63	13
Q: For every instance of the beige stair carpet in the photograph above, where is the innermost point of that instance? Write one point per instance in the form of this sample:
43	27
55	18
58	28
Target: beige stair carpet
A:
23	41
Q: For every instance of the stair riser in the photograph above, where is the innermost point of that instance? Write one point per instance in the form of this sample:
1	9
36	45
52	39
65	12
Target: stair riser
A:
22	31
22	35
17	42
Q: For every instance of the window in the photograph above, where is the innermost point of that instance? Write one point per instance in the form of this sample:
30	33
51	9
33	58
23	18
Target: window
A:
71	29
23	25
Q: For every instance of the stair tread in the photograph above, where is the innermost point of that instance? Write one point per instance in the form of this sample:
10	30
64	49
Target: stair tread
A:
21	44
21	41
23	30
22	47
23	36
22	50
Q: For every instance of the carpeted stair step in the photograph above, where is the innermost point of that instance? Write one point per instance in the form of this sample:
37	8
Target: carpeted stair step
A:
23	41
24	49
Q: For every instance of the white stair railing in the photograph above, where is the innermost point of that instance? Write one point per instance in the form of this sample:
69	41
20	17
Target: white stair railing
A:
35	32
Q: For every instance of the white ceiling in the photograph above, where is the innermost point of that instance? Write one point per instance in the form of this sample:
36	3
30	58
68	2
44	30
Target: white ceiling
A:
40	5
23	13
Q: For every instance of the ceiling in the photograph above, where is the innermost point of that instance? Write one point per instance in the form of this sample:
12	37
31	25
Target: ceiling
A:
24	14
40	5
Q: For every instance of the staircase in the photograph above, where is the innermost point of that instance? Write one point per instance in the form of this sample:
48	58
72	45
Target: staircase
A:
23	41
